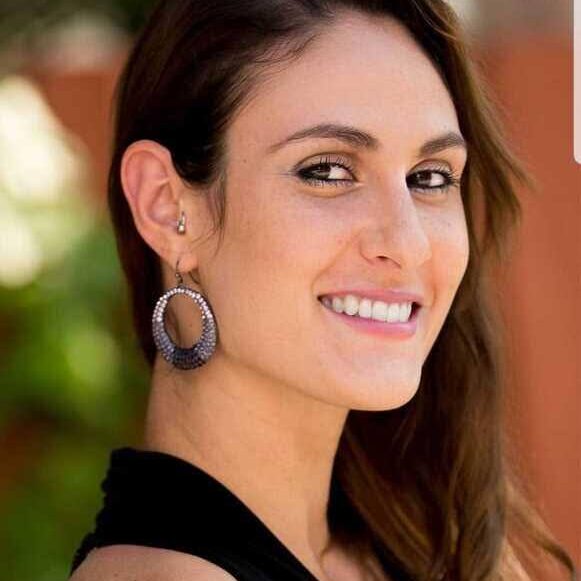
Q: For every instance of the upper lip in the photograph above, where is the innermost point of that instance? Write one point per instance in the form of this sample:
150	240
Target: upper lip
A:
380	294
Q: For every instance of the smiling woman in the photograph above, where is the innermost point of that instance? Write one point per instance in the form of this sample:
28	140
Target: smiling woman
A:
318	169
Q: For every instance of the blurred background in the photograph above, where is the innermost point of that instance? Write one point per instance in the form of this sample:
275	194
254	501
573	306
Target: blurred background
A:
72	383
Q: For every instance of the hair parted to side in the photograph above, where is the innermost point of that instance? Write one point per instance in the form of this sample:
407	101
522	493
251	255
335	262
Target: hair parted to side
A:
195	64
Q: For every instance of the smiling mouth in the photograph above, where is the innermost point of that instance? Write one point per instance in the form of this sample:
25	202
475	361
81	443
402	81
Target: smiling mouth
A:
371	326
375	315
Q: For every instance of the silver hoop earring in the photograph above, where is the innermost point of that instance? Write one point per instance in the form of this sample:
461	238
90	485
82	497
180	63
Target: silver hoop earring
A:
200	352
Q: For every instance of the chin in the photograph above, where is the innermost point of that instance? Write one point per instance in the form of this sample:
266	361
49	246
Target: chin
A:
391	387
386	396
398	399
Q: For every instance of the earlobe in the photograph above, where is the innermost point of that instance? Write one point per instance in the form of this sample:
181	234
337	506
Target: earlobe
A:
153	191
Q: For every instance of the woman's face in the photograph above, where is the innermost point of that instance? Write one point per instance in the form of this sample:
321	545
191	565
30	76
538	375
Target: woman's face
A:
324	215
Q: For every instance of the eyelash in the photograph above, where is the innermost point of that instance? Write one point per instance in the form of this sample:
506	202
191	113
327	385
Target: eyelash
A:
326	161
451	179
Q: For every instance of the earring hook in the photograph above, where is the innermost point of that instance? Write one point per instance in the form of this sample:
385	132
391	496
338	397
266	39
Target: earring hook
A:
180	278
178	275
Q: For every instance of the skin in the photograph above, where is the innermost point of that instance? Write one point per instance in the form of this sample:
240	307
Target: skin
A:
265	414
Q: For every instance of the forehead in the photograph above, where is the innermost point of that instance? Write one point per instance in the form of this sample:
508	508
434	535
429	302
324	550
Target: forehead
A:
366	71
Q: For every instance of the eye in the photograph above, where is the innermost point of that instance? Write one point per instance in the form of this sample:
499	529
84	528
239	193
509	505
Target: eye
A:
327	171
433	179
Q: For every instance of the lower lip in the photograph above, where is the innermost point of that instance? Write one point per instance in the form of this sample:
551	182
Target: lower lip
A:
379	328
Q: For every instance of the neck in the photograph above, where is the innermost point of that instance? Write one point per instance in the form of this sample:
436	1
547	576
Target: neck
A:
269	444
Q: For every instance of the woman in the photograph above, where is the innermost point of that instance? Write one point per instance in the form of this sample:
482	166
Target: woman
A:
312	171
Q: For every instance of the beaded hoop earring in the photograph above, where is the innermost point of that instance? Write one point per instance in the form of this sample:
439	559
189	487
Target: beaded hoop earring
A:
200	352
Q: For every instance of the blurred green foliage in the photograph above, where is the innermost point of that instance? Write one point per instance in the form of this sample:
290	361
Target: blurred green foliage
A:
73	384
71	375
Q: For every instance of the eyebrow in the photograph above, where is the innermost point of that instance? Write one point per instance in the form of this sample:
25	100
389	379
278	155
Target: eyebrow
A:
363	140
442	142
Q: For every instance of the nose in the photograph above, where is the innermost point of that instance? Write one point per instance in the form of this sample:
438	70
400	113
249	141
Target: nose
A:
394	229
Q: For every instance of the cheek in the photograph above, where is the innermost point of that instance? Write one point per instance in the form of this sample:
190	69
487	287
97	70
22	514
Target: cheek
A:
448	263
265	270
448	235
450	253
288	235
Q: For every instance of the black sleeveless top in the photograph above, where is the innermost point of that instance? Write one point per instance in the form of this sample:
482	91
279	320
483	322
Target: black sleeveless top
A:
155	499
158	500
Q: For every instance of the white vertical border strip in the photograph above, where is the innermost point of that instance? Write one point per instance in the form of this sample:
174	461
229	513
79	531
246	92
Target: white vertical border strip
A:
577	79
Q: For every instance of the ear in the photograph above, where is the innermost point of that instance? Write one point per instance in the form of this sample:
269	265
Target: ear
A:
157	195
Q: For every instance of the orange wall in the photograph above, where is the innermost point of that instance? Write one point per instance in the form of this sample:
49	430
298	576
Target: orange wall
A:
82	101
533	79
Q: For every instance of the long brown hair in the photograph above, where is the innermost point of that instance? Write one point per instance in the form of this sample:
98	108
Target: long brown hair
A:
423	488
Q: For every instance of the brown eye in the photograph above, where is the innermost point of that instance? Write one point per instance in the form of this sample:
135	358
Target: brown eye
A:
430	179
327	171
440	179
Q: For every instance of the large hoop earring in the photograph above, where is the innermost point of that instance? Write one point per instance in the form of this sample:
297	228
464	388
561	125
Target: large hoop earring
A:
200	352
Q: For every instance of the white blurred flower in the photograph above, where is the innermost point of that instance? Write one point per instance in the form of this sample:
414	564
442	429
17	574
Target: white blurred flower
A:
42	171
37	161
20	252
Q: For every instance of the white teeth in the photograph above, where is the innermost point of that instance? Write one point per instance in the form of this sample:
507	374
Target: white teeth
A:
379	311
365	308
368	309
337	304
393	313
350	305
405	312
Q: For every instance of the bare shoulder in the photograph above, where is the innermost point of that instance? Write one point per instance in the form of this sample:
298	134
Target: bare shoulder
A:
137	563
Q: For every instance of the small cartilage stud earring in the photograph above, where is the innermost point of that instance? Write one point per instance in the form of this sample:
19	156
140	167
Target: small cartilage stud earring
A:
182	224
